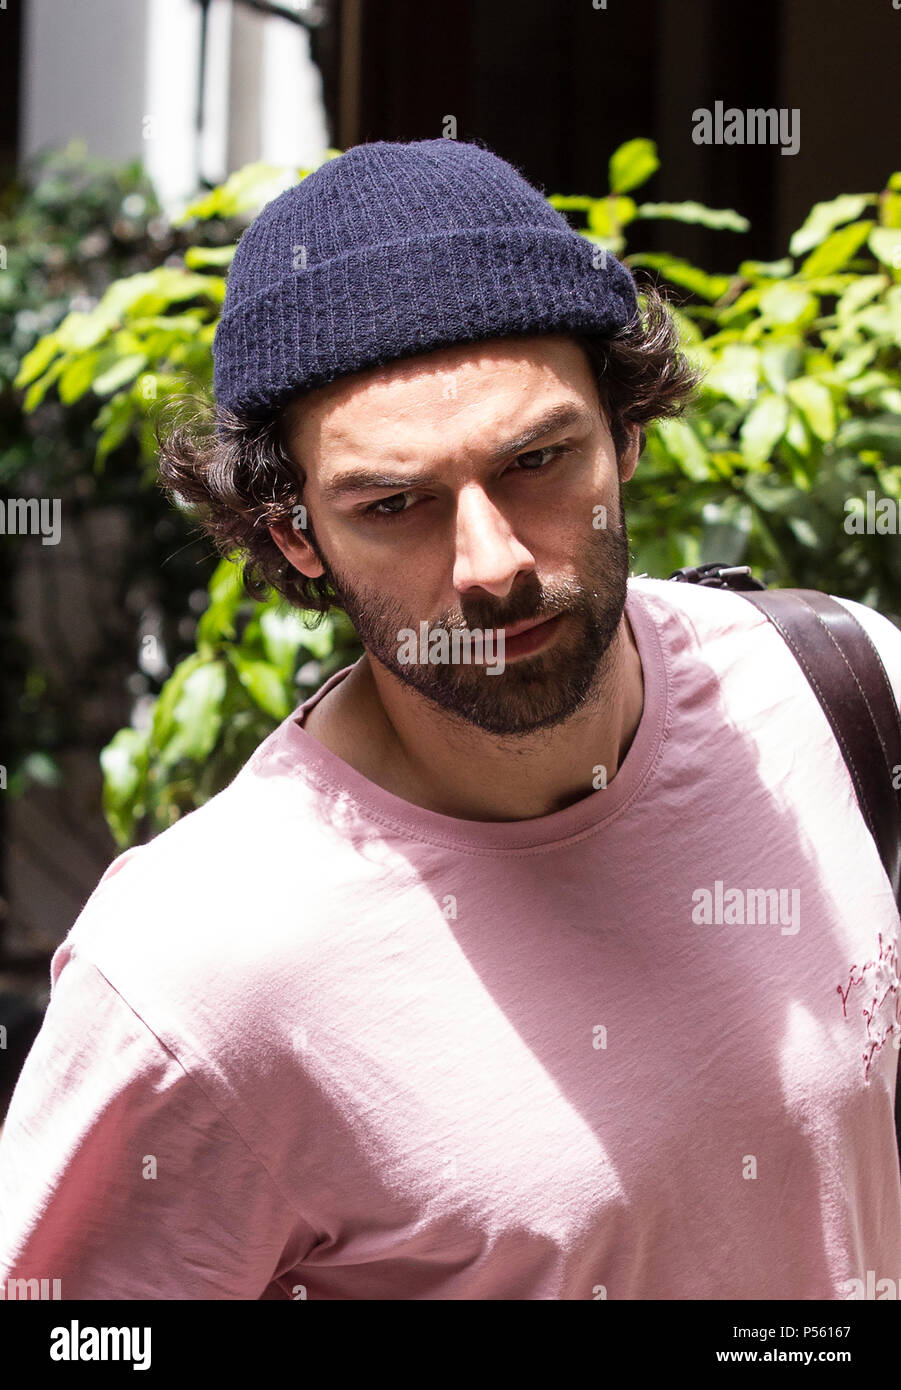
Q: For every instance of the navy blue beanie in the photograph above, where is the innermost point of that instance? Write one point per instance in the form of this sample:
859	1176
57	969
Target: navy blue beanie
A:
393	249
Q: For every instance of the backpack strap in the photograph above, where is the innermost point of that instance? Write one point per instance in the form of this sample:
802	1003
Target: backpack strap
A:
849	679
846	672
850	682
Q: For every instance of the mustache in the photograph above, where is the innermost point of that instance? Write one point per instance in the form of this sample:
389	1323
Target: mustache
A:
489	623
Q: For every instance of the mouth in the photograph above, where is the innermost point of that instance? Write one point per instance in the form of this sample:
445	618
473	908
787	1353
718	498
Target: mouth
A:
510	632
528	637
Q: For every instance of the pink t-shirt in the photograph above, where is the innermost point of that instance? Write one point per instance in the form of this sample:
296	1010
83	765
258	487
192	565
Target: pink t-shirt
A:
316	1042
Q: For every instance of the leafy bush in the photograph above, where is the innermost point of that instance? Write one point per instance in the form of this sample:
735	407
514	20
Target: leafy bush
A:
797	416
69	225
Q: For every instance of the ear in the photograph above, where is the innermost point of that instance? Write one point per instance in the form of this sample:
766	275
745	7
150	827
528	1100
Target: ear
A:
289	537
632	452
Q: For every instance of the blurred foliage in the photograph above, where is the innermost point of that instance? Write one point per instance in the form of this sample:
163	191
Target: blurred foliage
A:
798	414
69	226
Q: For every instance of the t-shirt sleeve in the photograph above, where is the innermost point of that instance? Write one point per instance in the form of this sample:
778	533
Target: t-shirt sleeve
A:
118	1175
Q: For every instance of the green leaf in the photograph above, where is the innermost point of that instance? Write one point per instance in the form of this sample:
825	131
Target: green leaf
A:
124	763
607	215
283	632
720	218
572	202
197	257
226	590
689	333
869	383
37	361
836	250
878	432
321	641
804	532
787	303
890	210
681	272
264	684
171	285
735	373
683	444
172	326
79	331
226	580
762	429
855	361
885	244
196	715
119	300
815	403
864	288
77	377
797	436
633	164
38	389
824	217
247	190
168	698
768	270
768	494
780	362
114	423
749	299
125	370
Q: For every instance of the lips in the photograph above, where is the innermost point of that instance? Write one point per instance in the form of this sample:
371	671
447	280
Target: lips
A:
510	632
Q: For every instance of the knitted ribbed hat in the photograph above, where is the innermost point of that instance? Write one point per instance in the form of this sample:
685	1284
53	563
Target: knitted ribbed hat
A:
393	249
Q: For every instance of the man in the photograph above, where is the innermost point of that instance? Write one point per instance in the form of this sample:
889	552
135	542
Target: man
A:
570	977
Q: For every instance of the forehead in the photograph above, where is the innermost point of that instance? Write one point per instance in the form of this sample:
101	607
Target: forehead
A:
467	386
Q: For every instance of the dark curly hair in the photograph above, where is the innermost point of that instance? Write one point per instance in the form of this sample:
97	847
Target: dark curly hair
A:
237	478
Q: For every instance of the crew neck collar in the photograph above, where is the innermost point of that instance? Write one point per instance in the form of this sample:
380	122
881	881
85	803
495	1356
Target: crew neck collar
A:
321	767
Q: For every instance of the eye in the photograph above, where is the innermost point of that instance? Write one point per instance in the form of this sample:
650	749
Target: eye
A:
555	450
374	511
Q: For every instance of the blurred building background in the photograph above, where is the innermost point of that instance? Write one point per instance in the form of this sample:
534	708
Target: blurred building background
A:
198	88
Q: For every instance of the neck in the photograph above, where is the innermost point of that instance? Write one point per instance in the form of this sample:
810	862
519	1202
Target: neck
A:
444	765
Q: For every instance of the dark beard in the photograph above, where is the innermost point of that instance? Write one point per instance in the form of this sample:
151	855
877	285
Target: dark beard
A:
536	692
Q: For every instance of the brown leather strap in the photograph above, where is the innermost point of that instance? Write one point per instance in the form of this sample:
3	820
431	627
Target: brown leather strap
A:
850	682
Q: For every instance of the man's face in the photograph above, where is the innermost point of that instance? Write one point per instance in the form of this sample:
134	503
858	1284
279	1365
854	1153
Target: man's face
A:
473	487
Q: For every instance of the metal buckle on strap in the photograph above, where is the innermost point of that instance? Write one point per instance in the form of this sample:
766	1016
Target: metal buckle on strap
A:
716	575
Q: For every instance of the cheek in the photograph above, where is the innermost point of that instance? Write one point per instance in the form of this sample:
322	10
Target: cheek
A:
577	519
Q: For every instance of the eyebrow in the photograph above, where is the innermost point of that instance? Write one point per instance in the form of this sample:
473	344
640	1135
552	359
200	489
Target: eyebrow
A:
356	480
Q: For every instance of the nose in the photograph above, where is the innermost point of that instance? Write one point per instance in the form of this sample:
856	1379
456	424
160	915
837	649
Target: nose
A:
487	554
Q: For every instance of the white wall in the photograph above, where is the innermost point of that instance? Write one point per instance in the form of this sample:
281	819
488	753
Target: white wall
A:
83	74
123	75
